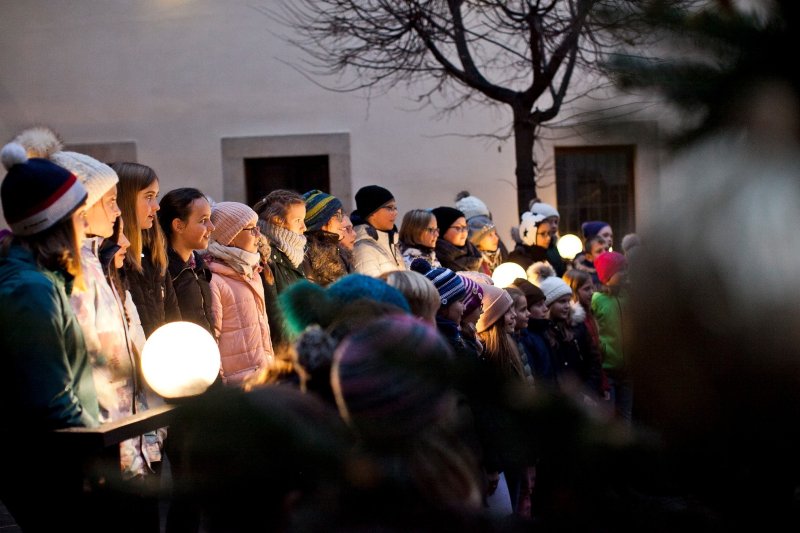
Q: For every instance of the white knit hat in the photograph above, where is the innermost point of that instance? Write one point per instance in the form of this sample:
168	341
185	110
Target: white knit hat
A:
541	208
96	177
471	206
229	218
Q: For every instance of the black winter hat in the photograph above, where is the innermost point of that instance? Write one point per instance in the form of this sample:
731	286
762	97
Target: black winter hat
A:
370	198
445	216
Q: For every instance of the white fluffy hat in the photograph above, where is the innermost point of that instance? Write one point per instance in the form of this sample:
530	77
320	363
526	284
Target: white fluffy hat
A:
527	227
471	206
95	176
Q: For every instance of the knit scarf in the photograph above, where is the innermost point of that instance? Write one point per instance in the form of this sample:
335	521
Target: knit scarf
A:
288	242
242	261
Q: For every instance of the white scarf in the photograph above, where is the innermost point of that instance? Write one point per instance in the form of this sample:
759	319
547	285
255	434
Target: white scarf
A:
291	243
242	261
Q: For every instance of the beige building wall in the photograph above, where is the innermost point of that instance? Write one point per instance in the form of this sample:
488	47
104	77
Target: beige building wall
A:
172	81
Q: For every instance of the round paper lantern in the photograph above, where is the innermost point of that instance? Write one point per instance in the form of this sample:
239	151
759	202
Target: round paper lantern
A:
569	246
180	359
505	273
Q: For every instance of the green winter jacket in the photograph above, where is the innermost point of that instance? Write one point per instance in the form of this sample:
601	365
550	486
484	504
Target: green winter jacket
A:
607	311
45	376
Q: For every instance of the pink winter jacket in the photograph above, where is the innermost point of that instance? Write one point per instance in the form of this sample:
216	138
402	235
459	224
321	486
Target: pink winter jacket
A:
240	322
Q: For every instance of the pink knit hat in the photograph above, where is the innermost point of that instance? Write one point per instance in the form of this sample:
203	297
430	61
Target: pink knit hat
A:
496	302
229	218
609	263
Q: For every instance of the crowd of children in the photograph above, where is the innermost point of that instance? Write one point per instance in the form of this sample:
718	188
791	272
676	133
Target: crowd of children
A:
402	332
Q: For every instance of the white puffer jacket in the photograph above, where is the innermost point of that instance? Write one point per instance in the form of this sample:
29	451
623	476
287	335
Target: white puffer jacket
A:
374	253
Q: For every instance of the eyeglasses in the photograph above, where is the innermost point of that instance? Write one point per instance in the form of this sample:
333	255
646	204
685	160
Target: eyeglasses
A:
392	208
432	230
254	231
460	229
348	229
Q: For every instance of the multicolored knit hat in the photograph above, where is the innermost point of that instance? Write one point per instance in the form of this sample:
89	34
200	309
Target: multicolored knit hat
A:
449	284
36	193
474	296
387	378
320	207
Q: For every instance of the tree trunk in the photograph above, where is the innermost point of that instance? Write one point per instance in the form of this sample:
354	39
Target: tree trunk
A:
523	146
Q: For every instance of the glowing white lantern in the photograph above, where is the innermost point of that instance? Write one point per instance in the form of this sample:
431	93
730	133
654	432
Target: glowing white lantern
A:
180	359
505	273
569	246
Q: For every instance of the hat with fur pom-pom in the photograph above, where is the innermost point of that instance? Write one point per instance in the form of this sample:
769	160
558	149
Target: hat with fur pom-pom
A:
471	206
527	227
96	177
543	276
36	193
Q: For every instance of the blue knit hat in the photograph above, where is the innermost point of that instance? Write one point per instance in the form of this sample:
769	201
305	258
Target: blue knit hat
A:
320	207
449	284
592	228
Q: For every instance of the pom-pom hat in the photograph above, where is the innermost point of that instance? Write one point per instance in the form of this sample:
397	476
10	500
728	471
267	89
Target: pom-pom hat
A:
450	285
547	210
229	218
96	177
609	263
471	206
553	287
320	207
36	193
496	303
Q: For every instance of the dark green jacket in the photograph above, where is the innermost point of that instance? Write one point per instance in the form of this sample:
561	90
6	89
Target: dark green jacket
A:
283	270
45	376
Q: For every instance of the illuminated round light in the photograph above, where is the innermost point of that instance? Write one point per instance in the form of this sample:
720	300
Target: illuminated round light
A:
180	359
569	246
506	273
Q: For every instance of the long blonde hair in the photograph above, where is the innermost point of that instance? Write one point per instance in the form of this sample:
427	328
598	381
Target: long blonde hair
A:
501	350
134	177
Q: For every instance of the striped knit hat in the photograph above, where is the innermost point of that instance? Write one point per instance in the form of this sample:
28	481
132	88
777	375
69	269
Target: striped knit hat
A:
449	284
229	218
320	207
474	295
387	377
36	193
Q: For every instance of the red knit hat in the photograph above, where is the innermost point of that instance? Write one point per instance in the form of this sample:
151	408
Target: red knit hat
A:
609	263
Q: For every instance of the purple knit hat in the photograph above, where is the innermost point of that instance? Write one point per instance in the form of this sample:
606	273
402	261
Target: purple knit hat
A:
474	296
387	377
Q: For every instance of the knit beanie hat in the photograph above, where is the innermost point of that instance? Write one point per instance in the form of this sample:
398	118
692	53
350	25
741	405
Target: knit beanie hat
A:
474	296
479	227
496	302
609	263
320	207
541	208
592	228
388	378
229	218
95	176
471	206
445	216
551	285
36	193
450	286
533	294
370	198
527	227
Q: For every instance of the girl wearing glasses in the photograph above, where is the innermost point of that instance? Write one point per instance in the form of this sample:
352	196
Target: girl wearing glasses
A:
533	238
453	249
237	293
418	234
